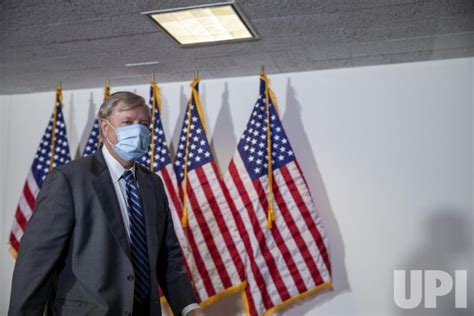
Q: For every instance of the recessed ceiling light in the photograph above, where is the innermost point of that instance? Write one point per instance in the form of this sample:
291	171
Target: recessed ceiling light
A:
204	24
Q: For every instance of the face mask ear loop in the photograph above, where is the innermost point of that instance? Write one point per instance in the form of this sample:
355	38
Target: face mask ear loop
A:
110	124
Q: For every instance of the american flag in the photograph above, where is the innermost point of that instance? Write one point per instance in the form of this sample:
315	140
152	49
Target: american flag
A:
158	161
52	152
286	248
215	252
93	142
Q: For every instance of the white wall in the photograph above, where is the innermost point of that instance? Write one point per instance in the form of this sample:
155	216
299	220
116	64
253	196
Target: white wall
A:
387	152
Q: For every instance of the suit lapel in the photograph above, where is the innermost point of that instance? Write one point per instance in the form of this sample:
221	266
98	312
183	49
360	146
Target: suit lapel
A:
145	187
108	199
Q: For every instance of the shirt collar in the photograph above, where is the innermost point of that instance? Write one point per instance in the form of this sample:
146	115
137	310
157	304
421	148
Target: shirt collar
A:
115	168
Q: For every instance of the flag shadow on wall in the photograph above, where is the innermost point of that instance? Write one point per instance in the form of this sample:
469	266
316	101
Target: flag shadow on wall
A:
295	129
91	116
223	136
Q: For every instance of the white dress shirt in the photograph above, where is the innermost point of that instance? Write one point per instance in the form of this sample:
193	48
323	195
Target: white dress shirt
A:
116	171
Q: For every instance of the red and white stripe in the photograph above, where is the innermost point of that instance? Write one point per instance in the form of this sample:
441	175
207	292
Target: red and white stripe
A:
24	211
215	256
170	184
168	177
292	257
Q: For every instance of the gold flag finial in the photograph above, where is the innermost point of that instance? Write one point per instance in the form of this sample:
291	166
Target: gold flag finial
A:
59	93
106	90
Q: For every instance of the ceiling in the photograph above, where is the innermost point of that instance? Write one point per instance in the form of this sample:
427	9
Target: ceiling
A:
84	43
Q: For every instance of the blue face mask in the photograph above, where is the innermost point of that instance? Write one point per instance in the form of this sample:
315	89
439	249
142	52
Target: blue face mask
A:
132	141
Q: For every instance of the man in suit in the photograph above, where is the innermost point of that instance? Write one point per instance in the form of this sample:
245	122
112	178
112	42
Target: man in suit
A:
101	237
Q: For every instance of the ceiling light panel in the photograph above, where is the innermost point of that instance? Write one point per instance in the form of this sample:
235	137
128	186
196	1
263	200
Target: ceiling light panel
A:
199	25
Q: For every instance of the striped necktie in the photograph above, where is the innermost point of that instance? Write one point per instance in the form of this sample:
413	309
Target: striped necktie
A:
137	239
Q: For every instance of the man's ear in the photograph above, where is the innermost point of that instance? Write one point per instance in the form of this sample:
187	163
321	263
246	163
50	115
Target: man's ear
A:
103	125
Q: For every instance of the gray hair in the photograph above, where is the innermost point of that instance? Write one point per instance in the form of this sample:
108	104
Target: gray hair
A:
121	101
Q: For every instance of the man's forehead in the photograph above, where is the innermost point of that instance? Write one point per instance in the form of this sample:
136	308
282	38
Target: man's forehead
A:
135	113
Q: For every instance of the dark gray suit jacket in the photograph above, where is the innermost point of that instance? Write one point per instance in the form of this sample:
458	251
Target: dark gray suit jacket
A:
75	256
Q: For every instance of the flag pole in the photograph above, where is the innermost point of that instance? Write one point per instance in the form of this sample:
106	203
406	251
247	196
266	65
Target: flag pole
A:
153	109
270	210
184	218
58	102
